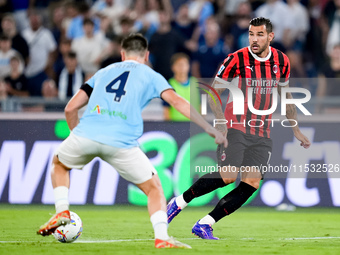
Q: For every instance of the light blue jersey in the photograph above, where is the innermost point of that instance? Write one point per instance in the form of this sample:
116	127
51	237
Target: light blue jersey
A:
114	112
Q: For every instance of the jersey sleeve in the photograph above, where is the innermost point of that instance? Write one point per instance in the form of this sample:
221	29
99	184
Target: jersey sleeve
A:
90	81
228	69
160	84
285	74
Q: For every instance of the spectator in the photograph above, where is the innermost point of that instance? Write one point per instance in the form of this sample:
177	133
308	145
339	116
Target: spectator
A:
57	29
298	32
163	44
69	80
63	49
20	10
278	13
200	11
71	77
91	48
126	27
334	32
184	85
114	52
3	91
42	48
328	85
147	15
18	42
239	31
210	53
16	81
182	22
6	53
71	12
111	10
75	29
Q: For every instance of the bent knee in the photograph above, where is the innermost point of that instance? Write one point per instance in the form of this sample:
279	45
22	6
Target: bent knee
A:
254	182
229	180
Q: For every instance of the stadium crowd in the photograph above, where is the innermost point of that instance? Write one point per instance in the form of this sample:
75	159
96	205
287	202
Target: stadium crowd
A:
49	48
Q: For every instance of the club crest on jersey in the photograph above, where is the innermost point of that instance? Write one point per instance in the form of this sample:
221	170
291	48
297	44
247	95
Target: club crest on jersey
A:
275	68
223	156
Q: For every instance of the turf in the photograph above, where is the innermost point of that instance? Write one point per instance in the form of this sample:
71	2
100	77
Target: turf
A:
248	231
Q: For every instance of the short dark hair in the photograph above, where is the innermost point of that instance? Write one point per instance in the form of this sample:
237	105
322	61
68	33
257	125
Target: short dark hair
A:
135	43
259	21
71	54
4	37
88	21
178	56
15	57
83	7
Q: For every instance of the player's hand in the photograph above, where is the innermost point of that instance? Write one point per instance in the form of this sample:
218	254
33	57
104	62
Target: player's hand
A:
219	137
303	139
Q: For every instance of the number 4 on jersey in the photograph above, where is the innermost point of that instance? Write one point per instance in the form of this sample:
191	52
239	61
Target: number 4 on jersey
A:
120	90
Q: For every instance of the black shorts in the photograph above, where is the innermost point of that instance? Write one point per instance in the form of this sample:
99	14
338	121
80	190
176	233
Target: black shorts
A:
244	150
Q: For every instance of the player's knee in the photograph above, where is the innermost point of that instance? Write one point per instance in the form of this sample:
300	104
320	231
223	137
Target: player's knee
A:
229	180
151	186
255	182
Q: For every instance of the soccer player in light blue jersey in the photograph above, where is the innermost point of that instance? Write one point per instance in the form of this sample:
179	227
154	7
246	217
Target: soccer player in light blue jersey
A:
115	97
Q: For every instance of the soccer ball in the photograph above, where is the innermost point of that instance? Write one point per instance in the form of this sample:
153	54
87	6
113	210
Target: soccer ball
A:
70	232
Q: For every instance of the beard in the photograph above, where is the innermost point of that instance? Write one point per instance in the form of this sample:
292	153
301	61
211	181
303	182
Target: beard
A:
260	49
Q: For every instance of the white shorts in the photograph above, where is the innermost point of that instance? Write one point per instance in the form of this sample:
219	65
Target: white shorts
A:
132	164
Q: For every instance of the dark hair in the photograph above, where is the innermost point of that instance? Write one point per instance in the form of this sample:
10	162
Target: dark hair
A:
126	21
83	8
65	41
71	54
135	43
4	37
88	21
259	21
16	57
178	56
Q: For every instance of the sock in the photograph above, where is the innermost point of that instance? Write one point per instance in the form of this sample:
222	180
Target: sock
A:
159	222
204	185
207	220
180	202
61	199
232	201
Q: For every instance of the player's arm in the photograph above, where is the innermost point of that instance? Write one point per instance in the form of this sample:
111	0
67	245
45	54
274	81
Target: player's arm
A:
291	115
78	101
184	107
217	108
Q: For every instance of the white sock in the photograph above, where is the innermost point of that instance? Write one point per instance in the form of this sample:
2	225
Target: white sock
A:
159	222
61	199
207	220
180	202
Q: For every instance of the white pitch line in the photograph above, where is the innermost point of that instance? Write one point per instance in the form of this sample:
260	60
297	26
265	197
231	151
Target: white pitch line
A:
143	240
313	238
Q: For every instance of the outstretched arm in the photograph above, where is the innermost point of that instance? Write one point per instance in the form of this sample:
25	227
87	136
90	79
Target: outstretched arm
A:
183	106
78	101
291	114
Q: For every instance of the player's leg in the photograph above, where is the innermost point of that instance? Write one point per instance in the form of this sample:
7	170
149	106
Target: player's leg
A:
133	165
256	155
226	157
74	152
156	206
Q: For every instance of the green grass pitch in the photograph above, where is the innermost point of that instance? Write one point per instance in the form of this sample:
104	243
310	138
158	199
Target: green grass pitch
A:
128	229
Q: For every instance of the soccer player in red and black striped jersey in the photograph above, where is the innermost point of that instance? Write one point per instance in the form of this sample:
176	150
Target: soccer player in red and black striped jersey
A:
257	70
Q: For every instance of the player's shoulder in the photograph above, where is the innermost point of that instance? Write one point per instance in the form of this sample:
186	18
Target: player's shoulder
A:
236	54
280	53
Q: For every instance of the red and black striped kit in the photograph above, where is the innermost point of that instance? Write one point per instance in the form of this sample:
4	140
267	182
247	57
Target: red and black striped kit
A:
260	75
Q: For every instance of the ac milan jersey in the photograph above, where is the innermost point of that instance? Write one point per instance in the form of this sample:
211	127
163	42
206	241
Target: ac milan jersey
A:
260	75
